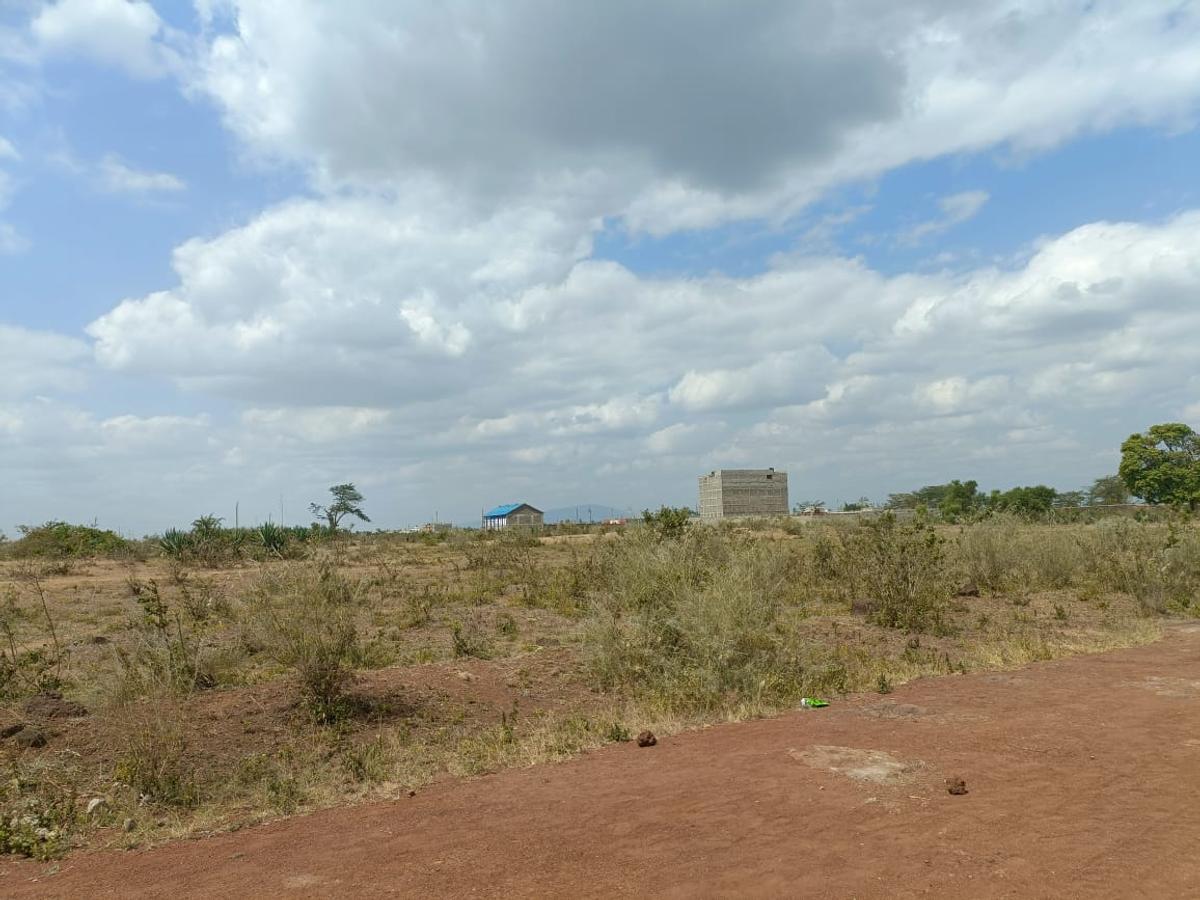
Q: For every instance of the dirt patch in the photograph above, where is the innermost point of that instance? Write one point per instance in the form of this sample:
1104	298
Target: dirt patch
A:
887	710
1171	687
722	812
51	705
872	766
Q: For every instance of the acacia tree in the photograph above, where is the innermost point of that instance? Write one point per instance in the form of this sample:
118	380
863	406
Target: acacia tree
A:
1163	465
1109	490
346	500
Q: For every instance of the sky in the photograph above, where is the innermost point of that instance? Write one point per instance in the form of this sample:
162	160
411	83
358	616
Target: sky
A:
462	253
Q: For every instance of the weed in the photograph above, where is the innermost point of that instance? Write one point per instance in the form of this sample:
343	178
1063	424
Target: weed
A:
38	810
303	618
153	759
469	639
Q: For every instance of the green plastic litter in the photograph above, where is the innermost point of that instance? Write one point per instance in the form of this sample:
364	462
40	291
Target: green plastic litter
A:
813	702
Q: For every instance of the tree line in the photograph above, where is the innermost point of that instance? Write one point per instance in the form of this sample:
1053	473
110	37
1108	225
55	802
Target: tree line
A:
1159	466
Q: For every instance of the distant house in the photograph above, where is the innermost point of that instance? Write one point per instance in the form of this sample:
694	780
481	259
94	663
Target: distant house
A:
743	492
512	515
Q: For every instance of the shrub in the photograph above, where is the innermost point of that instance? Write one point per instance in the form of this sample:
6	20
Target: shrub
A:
902	568
153	758
303	617
669	523
60	540
37	810
167	655
697	623
469	639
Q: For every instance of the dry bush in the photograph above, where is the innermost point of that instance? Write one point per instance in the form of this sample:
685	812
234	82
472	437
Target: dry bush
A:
303	617
698	622
1158	565
901	568
153	757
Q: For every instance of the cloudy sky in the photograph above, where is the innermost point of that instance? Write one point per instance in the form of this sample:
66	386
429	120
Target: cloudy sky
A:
462	253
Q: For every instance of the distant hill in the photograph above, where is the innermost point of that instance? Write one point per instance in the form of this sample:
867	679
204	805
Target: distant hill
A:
585	512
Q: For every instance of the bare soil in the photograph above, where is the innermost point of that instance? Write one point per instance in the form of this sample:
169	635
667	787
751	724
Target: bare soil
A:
1082	779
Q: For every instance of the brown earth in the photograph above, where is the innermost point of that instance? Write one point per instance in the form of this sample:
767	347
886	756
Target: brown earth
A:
1082	777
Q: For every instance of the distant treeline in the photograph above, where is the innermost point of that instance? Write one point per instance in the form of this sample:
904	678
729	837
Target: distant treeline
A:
963	499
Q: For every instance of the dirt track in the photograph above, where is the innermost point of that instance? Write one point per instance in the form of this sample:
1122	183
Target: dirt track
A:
1083	777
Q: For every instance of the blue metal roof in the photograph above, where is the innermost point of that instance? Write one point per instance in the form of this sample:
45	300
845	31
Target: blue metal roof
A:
499	512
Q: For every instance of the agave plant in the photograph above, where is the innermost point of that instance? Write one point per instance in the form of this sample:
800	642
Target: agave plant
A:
274	538
175	543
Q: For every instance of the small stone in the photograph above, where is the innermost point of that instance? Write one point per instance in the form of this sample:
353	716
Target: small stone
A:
956	786
970	589
412	793
646	739
9	730
30	737
96	803
128	825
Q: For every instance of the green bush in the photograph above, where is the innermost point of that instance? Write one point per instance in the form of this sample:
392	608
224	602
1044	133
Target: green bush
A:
902	568
669	523
38	811
60	540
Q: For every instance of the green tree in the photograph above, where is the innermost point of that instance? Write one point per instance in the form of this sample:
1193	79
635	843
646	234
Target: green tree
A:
958	499
1024	500
1107	491
1163	465
1071	499
669	523
346	500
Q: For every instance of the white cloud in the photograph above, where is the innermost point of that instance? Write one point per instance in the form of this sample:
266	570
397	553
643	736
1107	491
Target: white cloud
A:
667	440
583	367
126	34
322	424
955	208
503	103
117	177
33	361
11	240
430	320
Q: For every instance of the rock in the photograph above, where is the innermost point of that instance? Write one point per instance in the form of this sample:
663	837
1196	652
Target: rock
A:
51	705
956	786
30	737
970	589
9	730
646	739
96	803
128	825
98	639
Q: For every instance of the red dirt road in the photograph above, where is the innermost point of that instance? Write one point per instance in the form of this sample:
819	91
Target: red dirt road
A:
1083	777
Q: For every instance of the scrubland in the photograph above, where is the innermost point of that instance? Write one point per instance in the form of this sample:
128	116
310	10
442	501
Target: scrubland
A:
214	678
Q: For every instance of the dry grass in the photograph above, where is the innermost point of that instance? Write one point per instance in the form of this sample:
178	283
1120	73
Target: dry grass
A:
432	660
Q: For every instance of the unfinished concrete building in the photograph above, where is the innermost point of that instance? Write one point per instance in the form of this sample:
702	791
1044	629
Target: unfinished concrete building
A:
743	492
